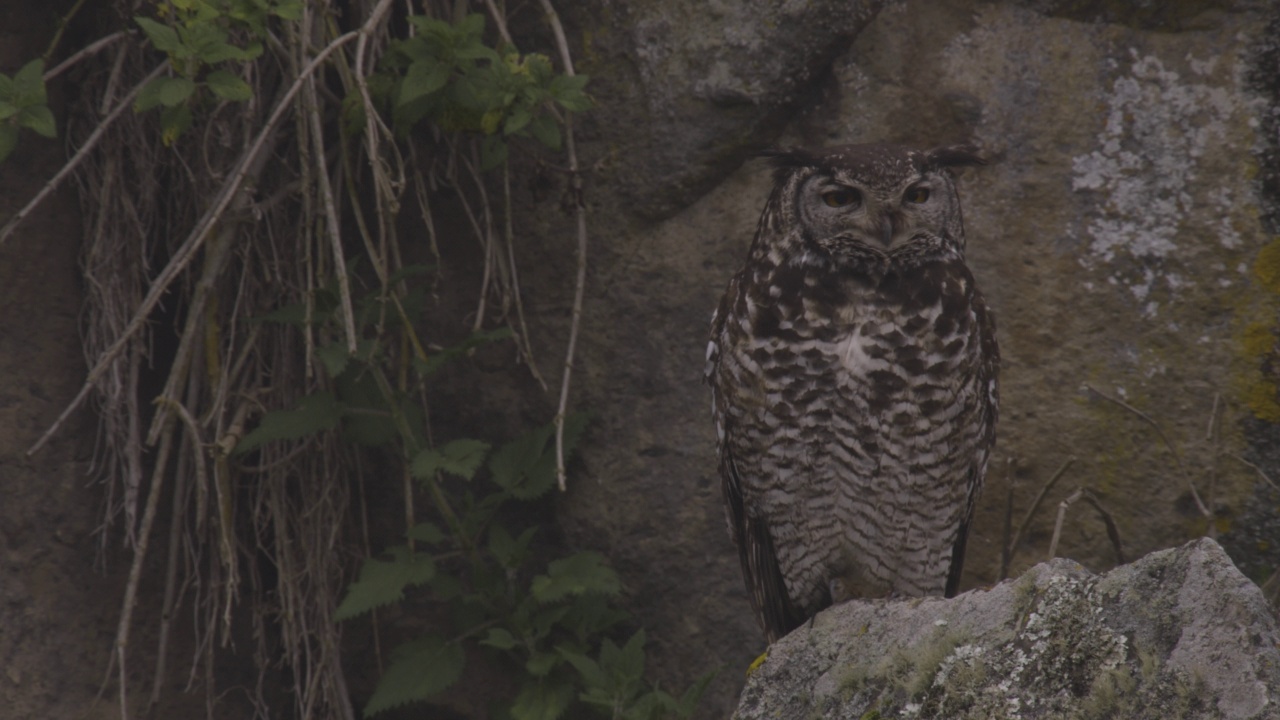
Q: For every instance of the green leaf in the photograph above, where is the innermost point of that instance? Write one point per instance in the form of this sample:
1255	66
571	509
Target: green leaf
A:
174	91
460	457
423	78
592	675
493	151
208	42
149	95
162	37
517	120
575	101
382	582
625	664
173	122
508	551
526	467
316	413
40	119
585	572
28	85
426	532
418	669
500	638
8	139
334	358
8	91
547	132
540	664
288	9
7	109
545	700
228	86
568	83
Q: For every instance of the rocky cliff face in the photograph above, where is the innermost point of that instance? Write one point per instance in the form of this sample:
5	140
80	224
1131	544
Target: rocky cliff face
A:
1123	234
1180	633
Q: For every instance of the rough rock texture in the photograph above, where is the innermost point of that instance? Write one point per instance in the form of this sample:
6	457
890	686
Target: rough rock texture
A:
1180	633
1122	234
696	87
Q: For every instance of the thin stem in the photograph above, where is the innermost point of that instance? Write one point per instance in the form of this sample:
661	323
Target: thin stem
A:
580	282
187	251
80	156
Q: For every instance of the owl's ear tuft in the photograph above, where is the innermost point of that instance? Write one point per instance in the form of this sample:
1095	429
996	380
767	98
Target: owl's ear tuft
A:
954	156
784	160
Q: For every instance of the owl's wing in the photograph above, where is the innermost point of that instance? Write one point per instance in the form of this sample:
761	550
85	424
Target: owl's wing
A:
990	373
957	557
774	609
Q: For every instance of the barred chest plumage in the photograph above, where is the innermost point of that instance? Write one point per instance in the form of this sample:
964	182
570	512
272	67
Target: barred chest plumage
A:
861	396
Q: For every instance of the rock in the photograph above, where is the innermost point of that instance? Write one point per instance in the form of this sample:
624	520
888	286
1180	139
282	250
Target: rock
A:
1180	633
716	80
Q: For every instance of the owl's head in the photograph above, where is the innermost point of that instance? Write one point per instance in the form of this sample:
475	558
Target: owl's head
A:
874	203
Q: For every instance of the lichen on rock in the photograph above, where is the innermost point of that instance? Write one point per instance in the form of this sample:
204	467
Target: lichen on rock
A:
1179	633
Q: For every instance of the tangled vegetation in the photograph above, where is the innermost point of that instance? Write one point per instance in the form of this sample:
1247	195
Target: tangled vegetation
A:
246	168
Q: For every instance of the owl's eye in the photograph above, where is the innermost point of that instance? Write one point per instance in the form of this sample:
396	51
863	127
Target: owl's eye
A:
916	195
841	197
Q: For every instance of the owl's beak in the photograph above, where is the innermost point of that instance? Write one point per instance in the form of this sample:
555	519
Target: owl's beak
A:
886	232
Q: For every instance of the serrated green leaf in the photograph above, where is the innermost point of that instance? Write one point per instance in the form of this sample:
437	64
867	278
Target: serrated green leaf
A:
174	91
477	51
568	83
7	89
334	357
585	572
148	96
545	700
500	638
8	139
540	664
626	663
471	26
508	551
592	675
460	457
575	101
526	468
545	129
516	121
40	119
315	413
423	78
28	84
382	582
228	86
7	109
418	670
510	463
426	532
162	37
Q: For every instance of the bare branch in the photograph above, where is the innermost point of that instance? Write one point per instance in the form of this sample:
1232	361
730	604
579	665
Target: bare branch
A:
80	155
187	251
1026	519
580	282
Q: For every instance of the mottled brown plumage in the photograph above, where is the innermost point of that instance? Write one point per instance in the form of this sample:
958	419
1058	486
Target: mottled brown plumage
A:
853	369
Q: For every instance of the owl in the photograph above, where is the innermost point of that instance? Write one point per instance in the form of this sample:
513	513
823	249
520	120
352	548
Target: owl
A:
853	368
